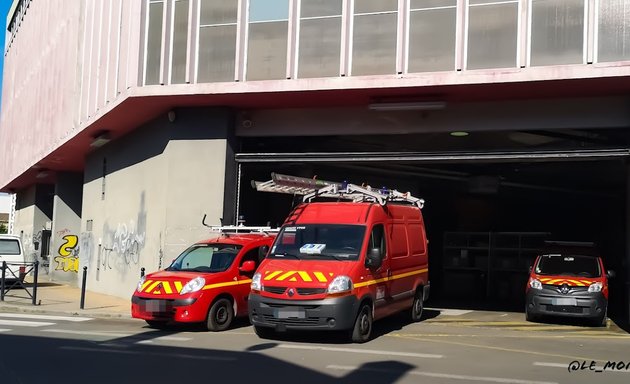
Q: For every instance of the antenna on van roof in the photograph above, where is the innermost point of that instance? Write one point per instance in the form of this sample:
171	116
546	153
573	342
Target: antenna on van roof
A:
313	188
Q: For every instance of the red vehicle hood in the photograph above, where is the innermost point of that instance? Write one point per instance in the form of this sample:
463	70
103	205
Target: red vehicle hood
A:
168	284
303	273
571	281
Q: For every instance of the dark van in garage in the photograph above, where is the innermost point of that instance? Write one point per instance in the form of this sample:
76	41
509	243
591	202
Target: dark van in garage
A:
568	279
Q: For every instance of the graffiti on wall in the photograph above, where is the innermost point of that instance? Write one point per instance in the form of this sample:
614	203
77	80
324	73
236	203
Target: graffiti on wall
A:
68	259
123	246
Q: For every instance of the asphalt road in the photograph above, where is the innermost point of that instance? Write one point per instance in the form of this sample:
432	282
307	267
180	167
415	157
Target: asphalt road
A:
36	349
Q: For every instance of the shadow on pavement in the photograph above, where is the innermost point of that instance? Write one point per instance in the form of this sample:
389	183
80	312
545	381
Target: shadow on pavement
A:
122	360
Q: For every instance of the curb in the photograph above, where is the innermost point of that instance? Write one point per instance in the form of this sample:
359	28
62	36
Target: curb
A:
79	312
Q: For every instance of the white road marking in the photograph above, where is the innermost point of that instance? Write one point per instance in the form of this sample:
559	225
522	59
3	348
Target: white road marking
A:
558	365
145	353
364	351
44	317
450	312
445	375
5	330
25	323
116	334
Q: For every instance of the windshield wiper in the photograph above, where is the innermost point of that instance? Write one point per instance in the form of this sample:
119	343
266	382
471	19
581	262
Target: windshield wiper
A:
285	254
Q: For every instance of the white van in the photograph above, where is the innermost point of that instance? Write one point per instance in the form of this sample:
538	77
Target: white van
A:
12	252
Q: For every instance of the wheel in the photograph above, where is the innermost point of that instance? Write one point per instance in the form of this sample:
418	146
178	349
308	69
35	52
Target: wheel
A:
601	321
157	324
529	316
417	307
264	332
362	325
220	315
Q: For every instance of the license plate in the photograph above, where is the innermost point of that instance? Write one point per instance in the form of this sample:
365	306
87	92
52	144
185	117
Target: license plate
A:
290	313
155	306
564	301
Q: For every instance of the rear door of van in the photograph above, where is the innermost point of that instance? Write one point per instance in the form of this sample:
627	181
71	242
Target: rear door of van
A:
11	252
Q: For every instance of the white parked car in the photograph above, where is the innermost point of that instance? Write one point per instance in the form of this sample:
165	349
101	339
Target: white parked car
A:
12	252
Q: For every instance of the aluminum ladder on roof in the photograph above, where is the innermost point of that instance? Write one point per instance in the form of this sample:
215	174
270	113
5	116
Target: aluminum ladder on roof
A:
312	188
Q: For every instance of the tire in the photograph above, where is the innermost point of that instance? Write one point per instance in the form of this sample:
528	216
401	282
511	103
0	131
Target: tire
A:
417	307
220	315
530	317
264	332
601	321
362	329
157	324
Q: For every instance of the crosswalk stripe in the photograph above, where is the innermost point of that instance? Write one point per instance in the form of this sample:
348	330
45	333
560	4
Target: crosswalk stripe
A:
364	351
44	317
25	323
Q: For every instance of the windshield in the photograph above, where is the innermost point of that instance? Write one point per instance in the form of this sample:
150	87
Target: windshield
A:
568	265
319	241
206	258
9	247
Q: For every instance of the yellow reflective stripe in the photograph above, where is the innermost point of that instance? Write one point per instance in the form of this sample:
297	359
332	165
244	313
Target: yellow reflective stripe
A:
305	276
227	284
286	275
145	285
395	277
167	287
178	286
272	275
150	287
320	276
586	282
578	283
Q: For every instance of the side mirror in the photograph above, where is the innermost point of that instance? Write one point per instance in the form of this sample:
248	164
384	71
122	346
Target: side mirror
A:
262	252
610	274
374	258
530	268
248	267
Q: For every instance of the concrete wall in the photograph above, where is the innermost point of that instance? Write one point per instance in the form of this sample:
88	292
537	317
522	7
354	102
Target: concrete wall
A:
144	196
33	214
66	227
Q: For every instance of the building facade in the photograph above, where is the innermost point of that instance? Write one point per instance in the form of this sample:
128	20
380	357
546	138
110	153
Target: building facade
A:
125	122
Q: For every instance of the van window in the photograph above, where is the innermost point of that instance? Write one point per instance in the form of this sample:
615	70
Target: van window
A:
416	239
206	258
377	239
568	265
9	247
319	241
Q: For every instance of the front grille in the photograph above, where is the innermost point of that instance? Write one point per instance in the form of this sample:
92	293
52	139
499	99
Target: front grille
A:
292	321
276	290
310	291
564	309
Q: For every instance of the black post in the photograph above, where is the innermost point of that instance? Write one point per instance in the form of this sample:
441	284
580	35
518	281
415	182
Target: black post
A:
4	268
83	287
36	271
142	272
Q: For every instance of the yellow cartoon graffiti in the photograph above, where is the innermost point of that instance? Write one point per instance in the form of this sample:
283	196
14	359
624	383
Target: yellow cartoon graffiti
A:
67	261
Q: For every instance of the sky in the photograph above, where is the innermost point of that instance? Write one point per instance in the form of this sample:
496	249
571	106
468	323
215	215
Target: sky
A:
5	200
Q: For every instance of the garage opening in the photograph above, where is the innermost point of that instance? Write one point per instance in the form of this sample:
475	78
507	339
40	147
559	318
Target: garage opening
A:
487	212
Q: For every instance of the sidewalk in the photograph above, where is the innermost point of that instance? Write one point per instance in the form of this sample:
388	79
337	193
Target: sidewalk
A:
60	298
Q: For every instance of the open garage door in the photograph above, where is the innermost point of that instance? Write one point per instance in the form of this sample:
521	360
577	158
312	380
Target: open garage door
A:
487	212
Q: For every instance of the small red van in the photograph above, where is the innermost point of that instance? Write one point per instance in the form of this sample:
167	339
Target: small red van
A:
568	279
209	282
342	265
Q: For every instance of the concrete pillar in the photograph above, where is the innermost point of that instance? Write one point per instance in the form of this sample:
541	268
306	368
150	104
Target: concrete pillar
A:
66	228
624	275
32	221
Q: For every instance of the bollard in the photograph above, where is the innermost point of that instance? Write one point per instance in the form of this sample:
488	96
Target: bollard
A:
142	272
83	288
4	267
35	271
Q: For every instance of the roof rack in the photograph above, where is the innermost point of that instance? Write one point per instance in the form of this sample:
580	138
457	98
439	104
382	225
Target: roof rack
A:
235	229
313	188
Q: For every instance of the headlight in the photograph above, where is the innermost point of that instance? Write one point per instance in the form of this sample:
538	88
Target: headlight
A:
535	283
141	283
340	284
256	282
193	285
595	287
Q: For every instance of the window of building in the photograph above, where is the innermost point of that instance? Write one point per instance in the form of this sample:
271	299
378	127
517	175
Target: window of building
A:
180	41
375	33
432	35
154	43
217	40
557	32
267	39
320	38
613	40
492	34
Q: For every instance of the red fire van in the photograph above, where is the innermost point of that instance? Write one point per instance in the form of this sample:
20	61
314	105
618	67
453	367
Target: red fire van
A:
209	282
342	265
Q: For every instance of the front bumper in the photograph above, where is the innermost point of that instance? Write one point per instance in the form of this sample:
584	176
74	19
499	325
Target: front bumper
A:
577	303
336	313
170	310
